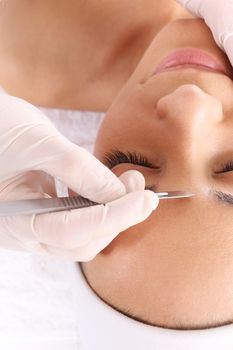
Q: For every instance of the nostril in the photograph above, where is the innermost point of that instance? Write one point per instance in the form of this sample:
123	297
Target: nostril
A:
217	110
161	108
189	101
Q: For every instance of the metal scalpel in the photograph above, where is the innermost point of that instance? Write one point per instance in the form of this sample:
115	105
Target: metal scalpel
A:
48	205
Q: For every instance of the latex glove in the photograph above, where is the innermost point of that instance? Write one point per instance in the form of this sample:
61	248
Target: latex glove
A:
218	15
32	153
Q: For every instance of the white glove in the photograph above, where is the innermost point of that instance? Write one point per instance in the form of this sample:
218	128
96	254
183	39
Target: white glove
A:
32	153
218	15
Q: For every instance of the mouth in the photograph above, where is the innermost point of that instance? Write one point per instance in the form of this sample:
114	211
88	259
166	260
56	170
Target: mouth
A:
192	58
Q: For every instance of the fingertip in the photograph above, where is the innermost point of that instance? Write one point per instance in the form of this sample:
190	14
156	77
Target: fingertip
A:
152	199
133	180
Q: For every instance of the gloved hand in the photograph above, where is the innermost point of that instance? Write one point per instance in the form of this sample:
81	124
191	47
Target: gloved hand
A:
32	153
218	15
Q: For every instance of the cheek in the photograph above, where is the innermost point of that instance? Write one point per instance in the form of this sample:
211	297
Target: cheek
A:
125	119
181	227
131	256
135	242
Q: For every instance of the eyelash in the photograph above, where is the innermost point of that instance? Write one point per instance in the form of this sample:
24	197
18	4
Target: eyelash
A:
227	167
117	157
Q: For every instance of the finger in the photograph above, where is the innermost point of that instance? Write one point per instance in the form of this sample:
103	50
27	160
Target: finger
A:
132	209
133	180
82	172
102	238
41	146
74	228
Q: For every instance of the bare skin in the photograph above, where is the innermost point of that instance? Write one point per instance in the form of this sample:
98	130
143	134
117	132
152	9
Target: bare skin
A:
174	269
76	54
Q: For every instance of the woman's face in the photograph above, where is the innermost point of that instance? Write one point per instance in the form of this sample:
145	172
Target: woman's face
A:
174	269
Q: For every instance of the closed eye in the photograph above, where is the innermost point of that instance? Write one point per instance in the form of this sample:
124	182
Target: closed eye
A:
116	157
226	168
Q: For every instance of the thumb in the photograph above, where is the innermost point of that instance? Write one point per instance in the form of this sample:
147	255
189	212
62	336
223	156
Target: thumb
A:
81	171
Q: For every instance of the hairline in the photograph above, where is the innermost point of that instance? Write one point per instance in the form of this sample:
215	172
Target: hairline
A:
131	314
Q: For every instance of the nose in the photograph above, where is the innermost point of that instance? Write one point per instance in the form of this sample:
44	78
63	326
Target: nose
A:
189	107
187	118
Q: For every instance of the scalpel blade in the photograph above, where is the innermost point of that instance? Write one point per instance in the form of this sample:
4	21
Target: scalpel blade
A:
174	194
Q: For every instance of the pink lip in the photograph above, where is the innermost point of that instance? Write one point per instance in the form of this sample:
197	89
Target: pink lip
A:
191	58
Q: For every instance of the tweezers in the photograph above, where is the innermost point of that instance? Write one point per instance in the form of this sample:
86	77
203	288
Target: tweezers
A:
48	205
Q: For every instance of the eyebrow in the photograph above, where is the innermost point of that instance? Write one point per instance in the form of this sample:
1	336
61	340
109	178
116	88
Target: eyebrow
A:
223	197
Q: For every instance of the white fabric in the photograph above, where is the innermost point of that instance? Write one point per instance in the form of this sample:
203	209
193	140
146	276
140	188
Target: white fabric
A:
46	303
